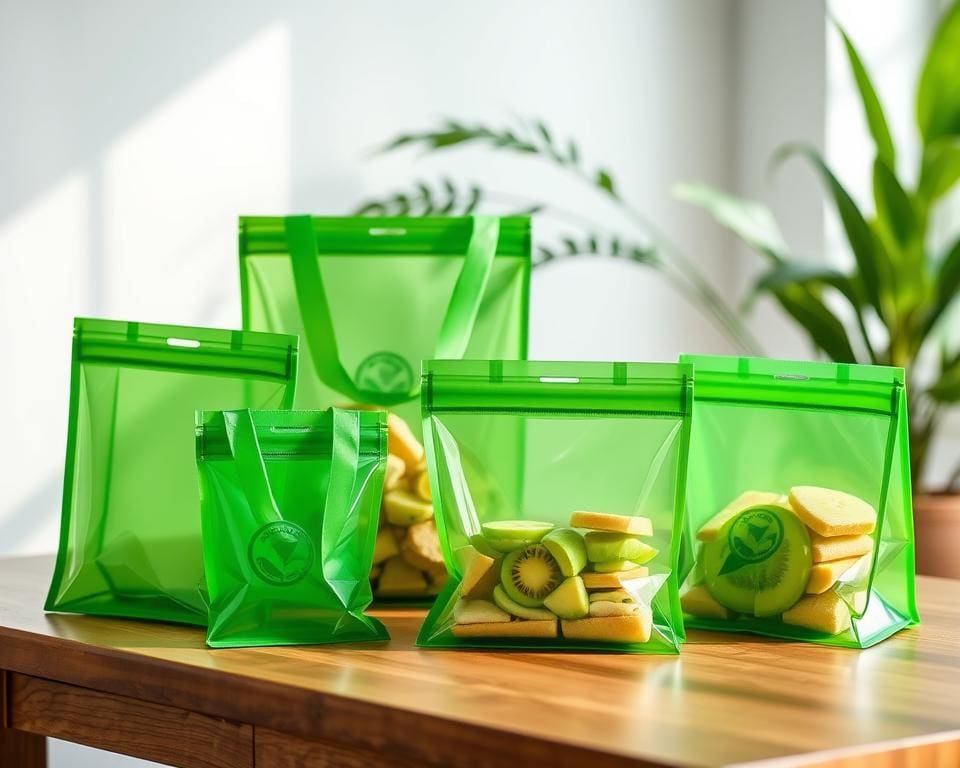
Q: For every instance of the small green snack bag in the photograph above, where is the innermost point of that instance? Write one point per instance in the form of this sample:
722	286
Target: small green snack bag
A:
130	542
559	492
289	503
370	298
799	515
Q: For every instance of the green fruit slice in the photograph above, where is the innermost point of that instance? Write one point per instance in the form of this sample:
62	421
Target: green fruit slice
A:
568	549
483	546
760	561
503	601
569	600
603	546
530	574
508	535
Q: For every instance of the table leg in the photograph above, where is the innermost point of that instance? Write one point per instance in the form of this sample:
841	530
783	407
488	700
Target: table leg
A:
17	748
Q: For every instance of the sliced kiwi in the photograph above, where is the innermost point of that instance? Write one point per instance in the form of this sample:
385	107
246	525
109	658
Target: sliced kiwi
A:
567	547
502	599
760	561
529	574
603	546
508	535
569	600
483	546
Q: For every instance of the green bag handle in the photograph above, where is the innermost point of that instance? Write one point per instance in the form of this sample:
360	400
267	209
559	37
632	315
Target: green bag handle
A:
455	331
246	452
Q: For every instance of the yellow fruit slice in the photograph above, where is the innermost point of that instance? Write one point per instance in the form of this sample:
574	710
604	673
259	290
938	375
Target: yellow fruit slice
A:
601	608
826	548
421	547
825	575
709	531
403	508
832	513
615	629
421	486
478	612
507	629
697	601
402	442
396	469
603	521
823	613
612	596
612	580
386	546
481	574
399	578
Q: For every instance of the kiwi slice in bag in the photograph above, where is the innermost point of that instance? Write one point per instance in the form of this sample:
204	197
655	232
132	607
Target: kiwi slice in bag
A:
530	574
760	561
508	535
503	601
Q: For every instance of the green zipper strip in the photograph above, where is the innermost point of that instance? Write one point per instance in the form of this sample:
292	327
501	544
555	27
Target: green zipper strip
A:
130	344
796	384
288	433
421	236
556	387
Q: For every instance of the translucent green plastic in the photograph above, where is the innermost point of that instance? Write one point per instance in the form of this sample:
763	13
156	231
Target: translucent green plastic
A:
130	542
290	502
770	425
370	298
510	440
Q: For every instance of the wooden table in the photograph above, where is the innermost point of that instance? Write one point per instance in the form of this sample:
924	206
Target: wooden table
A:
155	691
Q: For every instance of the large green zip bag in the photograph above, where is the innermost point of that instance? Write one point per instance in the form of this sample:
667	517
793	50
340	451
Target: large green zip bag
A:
569	538
799	515
130	540
289	503
370	298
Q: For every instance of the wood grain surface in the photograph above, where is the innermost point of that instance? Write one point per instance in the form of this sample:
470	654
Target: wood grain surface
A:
726	700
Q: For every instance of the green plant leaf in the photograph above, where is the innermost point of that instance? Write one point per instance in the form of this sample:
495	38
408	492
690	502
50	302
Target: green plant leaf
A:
895	212
752	222
947	286
947	387
872	108
938	94
605	181
794	272
940	169
823	327
873	263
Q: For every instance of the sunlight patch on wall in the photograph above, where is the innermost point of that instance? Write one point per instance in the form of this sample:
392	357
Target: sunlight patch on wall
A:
174	184
44	254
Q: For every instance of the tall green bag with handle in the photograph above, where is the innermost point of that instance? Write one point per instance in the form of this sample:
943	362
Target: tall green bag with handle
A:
799	515
130	541
371	298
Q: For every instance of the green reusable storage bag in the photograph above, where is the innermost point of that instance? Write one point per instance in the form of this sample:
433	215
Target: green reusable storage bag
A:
607	441
130	541
370	299
289	503
799	516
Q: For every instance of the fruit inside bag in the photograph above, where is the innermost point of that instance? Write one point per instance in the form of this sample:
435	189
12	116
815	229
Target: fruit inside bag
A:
407	559
798	511
558	488
803	557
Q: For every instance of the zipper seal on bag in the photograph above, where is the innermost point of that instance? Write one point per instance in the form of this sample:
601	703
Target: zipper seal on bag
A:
546	388
288	434
431	236
761	382
147	345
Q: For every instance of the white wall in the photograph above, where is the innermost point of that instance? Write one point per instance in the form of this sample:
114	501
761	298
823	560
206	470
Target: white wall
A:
134	133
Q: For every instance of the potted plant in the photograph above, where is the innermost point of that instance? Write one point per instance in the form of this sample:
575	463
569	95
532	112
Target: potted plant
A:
890	308
896	302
